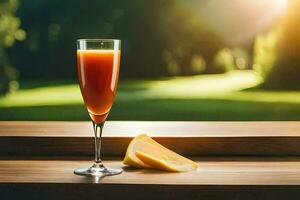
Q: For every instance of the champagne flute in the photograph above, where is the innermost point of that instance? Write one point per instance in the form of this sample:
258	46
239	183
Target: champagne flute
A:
98	62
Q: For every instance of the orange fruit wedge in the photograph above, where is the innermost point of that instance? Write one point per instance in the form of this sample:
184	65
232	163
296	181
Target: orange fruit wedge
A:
130	158
144	152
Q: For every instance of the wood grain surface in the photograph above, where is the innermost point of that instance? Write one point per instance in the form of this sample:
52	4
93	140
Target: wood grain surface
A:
188	138
153	128
238	178
212	171
38	158
217	178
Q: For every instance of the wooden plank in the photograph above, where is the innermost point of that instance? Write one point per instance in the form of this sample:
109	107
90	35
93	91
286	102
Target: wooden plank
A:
188	138
212	171
153	128
217	178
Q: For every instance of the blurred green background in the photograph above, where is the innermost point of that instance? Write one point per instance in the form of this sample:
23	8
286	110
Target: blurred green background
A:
181	60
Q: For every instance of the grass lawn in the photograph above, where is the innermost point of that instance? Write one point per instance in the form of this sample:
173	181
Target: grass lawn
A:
232	96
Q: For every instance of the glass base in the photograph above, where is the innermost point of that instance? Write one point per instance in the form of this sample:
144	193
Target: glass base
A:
97	170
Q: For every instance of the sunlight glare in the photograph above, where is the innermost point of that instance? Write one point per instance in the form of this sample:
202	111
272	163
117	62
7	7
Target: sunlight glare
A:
282	5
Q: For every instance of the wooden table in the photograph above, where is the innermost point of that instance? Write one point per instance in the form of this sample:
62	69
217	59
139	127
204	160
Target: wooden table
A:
238	160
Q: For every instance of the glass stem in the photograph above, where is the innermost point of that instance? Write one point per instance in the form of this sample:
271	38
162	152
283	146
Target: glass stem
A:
98	134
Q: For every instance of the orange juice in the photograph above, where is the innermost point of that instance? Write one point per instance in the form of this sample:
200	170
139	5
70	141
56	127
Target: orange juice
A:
98	72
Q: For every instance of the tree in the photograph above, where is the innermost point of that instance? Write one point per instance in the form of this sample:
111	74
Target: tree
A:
285	73
159	38
9	33
192	44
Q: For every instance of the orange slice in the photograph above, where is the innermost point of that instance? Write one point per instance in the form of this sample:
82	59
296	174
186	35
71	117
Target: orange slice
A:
143	151
130	157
